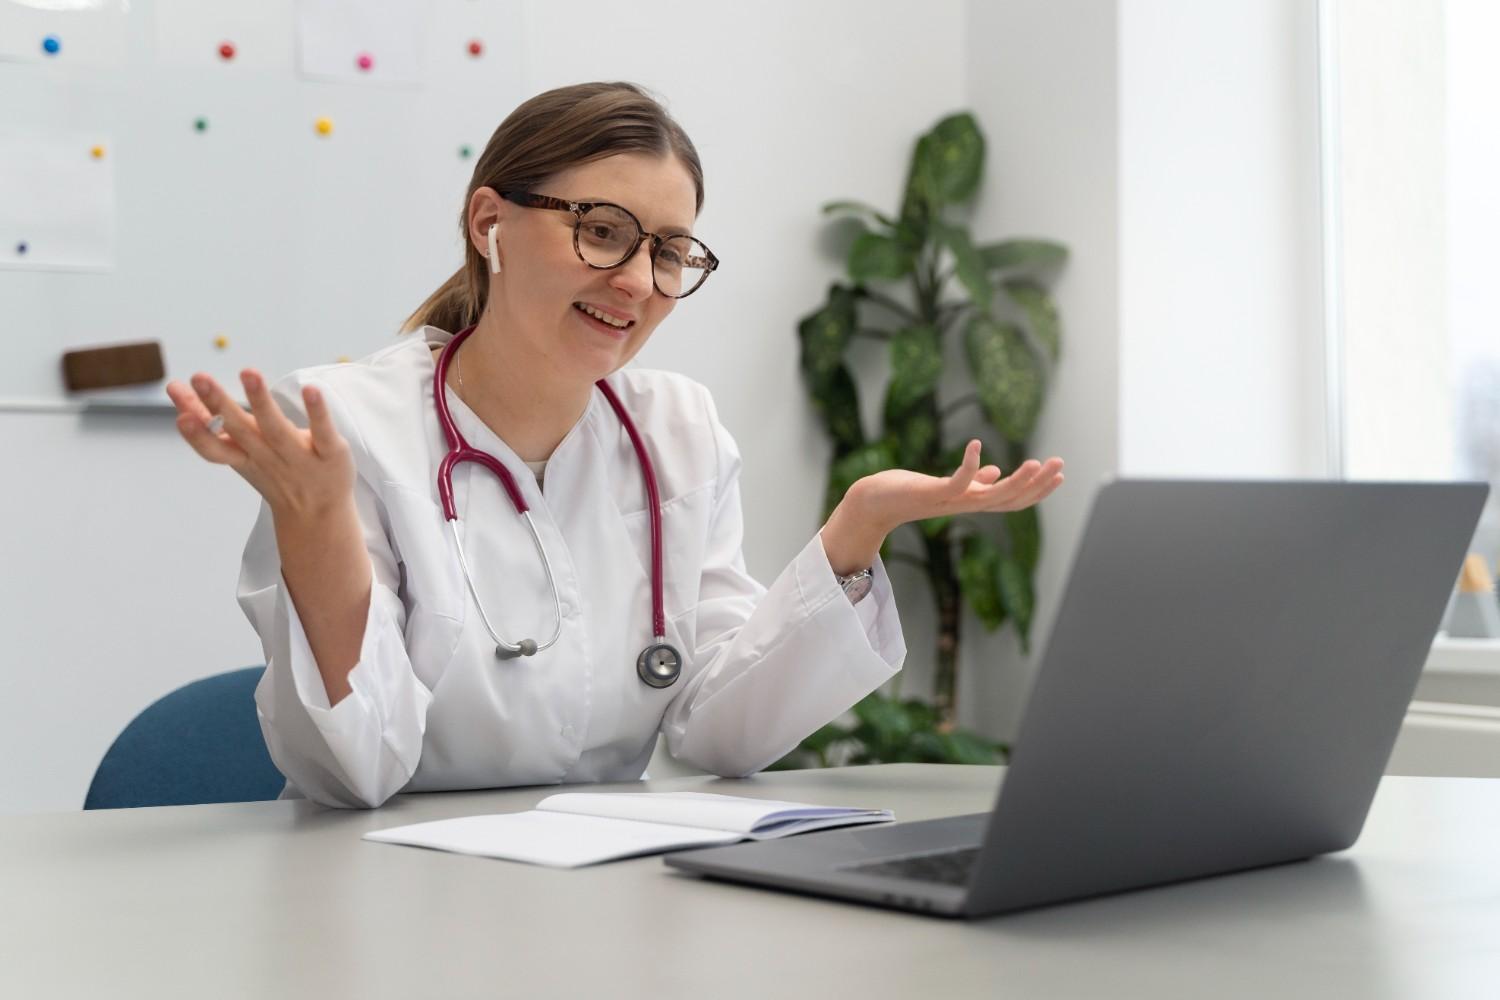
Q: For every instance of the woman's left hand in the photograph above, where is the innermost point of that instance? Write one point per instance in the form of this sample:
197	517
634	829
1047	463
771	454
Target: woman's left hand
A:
896	496
878	504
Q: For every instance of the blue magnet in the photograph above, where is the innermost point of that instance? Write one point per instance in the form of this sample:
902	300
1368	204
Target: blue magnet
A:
51	44
21	248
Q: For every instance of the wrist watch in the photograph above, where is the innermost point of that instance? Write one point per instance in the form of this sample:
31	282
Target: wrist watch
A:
857	585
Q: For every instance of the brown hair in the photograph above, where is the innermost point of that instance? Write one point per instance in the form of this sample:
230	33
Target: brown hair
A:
549	133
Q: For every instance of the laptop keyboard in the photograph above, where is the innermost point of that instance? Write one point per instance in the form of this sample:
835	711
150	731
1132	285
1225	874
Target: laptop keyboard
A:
944	867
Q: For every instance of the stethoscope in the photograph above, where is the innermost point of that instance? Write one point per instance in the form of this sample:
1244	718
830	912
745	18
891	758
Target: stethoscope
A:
659	664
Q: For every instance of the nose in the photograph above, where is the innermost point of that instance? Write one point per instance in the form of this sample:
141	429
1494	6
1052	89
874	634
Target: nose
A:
634	276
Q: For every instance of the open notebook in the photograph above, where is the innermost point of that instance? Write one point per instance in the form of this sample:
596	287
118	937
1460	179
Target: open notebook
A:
582	828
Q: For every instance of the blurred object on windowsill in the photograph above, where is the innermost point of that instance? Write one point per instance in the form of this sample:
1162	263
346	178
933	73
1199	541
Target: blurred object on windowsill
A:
1473	612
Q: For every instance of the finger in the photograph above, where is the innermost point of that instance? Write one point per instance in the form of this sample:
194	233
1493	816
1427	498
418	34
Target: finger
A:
278	432
959	482
988	475
1040	486
1010	492
326	439
216	448
187	402
238	424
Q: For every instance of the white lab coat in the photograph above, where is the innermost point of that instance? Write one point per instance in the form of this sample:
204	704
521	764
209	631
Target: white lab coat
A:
432	708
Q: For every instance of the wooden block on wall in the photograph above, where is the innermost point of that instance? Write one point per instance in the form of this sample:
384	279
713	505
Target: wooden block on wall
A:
118	364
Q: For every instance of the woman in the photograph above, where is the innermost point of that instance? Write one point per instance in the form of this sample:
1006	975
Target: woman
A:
408	651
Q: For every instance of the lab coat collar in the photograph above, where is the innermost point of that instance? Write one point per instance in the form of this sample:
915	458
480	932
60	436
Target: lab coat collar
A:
478	433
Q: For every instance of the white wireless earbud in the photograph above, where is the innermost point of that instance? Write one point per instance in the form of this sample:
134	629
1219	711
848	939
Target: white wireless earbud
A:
494	250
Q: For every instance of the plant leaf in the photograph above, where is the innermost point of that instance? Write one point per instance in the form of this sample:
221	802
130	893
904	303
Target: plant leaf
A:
838	404
979	579
1008	375
956	158
1041	314
876	257
966	262
1024	529
863	461
964	747
858	208
825	334
1023	257
915	435
916	366
1015	592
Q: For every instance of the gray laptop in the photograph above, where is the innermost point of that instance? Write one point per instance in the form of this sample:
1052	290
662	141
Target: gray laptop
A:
1226	676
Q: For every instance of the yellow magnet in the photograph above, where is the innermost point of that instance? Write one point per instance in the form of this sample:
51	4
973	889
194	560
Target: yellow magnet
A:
324	126
221	341
97	152
343	359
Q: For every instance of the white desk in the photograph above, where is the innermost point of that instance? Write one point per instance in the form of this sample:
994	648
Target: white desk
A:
282	899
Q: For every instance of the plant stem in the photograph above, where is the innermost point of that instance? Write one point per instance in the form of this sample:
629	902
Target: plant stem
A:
909	559
892	305
945	589
959	404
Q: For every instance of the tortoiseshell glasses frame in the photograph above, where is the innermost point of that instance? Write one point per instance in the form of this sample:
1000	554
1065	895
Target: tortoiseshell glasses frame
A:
704	261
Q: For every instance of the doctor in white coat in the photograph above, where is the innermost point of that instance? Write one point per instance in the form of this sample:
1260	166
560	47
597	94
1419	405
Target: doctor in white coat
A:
390	634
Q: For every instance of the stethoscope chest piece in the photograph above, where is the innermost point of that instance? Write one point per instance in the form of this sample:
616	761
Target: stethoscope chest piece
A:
659	665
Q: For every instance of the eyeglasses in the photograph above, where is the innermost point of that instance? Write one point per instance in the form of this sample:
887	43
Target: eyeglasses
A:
605	236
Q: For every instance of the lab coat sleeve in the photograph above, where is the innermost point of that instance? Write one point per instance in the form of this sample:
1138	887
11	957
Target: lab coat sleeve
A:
360	752
772	665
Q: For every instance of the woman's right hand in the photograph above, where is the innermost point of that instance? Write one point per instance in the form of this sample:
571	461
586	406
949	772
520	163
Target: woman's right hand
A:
302	474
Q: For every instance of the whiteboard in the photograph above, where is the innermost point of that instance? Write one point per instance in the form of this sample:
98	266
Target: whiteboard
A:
254	241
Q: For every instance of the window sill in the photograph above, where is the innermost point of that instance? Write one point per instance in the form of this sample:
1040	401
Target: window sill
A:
1462	672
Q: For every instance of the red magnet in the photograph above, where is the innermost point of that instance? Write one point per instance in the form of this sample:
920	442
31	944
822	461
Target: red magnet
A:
364	61
226	51
476	48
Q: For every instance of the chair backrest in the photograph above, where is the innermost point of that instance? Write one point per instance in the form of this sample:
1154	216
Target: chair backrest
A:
200	743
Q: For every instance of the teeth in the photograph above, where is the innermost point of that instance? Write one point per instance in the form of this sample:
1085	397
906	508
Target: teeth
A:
604	317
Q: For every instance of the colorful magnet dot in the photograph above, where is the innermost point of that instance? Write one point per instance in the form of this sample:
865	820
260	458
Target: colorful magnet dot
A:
464	152
365	61
201	124
52	45
97	152
324	126
476	48
343	359
21	248
221	341
226	51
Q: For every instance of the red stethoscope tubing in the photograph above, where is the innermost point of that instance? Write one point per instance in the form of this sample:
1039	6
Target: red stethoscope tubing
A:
460	451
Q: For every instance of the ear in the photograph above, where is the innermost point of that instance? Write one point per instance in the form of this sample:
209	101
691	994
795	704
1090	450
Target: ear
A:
486	208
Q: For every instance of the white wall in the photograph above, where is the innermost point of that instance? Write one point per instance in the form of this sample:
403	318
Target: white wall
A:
121	550
1043	80
122	553
1221	341
1173	147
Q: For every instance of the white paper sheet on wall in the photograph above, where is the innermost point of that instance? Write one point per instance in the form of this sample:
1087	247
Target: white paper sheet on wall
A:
57	202
355	41
68	32
192	33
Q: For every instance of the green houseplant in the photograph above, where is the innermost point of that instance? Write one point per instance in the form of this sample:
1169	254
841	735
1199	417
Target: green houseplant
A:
995	298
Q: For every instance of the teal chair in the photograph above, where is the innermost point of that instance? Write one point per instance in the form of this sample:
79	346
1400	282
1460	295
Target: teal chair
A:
201	743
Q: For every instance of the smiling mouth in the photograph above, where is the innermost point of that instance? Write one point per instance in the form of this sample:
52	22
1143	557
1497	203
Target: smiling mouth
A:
603	317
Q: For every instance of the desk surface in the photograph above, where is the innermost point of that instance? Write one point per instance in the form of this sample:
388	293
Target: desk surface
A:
282	899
